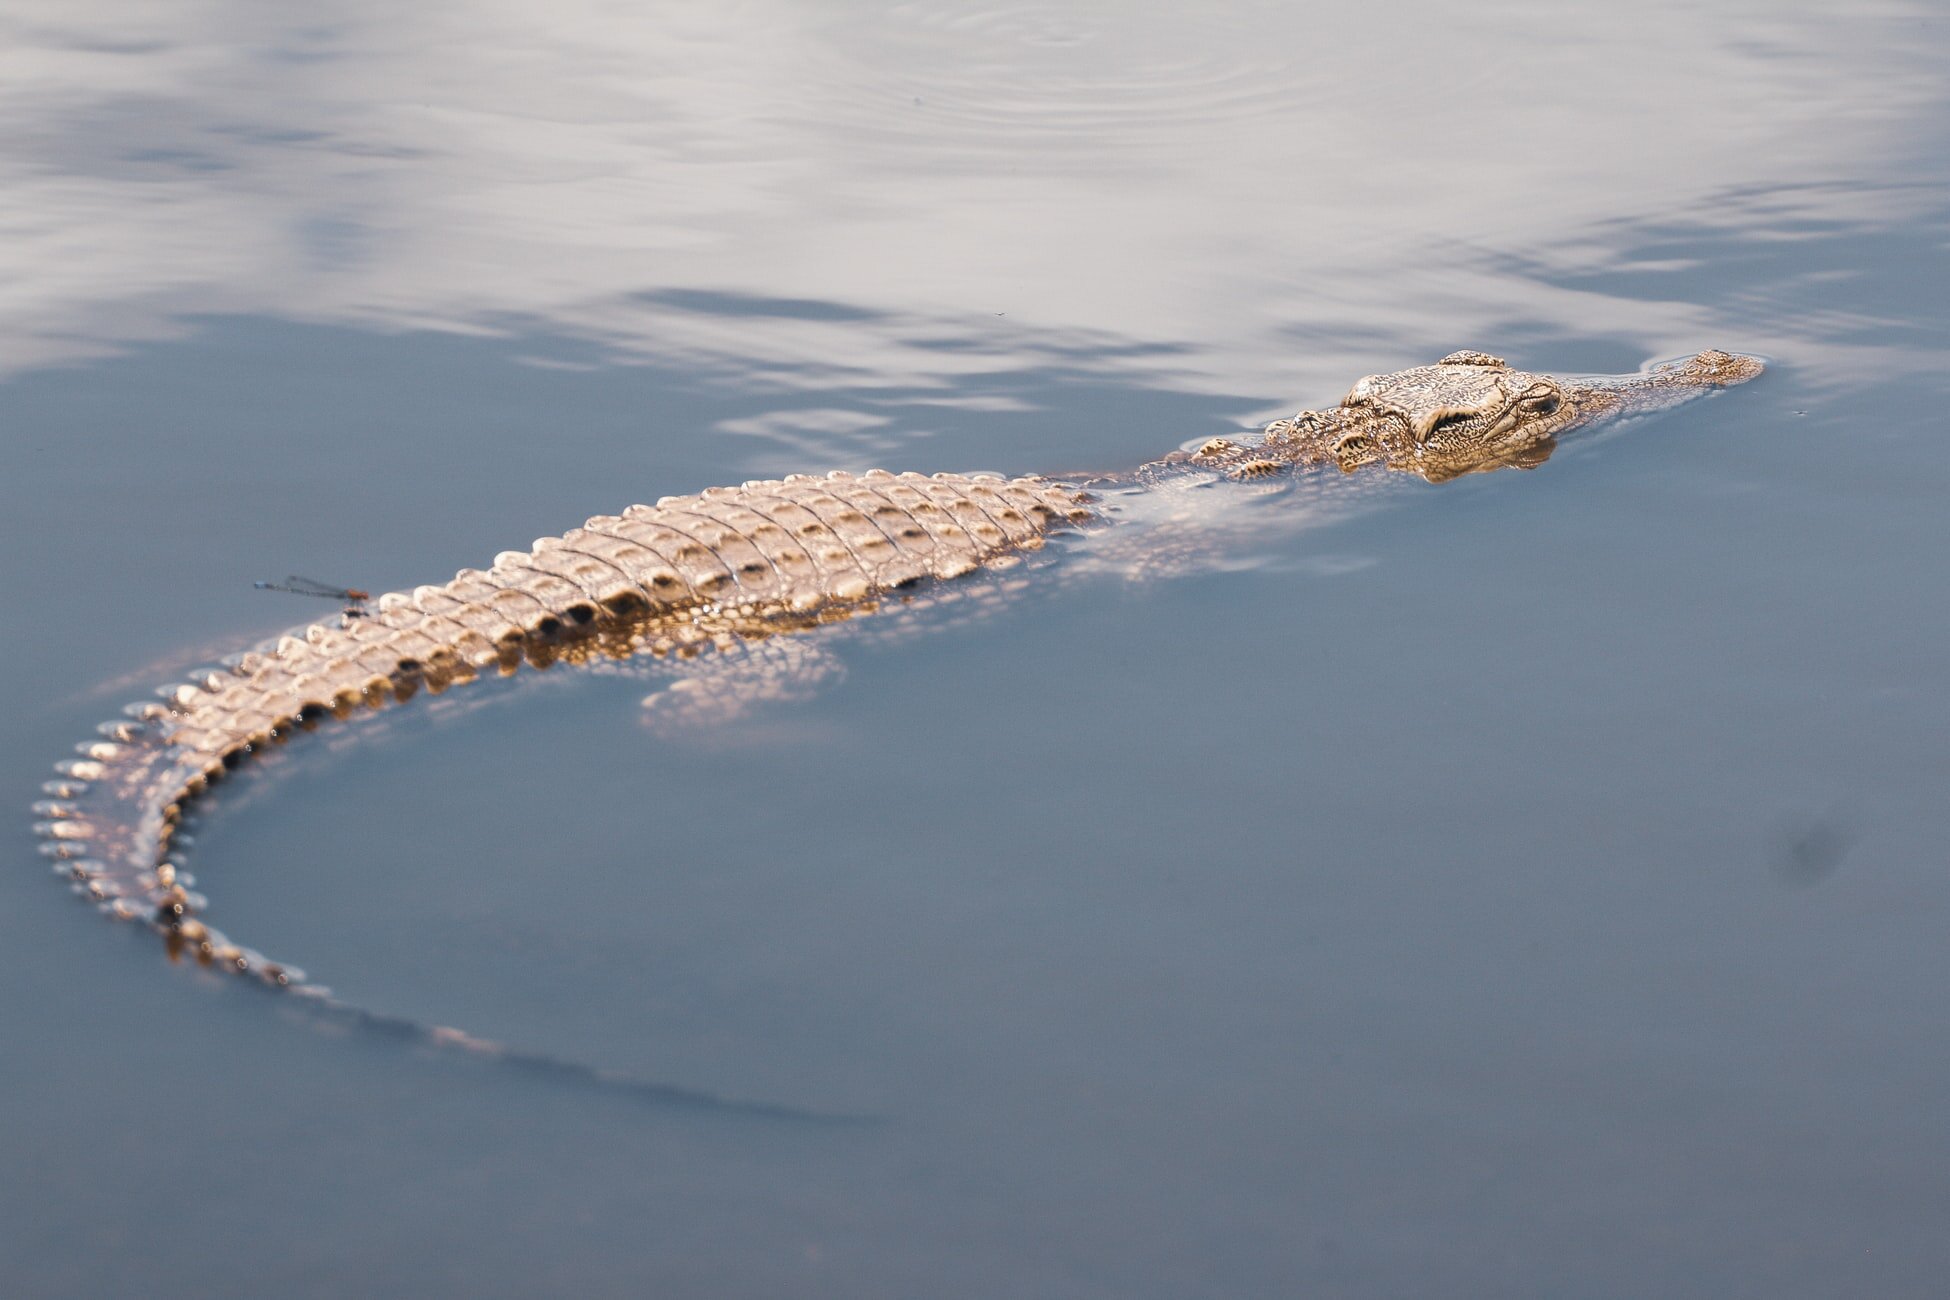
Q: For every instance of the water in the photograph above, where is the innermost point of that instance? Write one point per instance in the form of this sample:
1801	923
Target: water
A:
1529	889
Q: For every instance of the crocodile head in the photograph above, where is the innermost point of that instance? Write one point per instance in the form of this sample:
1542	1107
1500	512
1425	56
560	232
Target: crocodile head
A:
1471	412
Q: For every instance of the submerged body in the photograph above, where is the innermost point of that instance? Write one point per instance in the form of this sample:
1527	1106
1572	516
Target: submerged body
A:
725	568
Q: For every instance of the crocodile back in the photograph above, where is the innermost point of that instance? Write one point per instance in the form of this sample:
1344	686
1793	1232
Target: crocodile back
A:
725	565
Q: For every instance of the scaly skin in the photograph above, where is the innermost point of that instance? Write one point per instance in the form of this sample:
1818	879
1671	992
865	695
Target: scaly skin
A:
726	566
1466	414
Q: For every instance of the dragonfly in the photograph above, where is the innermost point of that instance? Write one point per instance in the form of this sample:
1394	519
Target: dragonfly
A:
352	598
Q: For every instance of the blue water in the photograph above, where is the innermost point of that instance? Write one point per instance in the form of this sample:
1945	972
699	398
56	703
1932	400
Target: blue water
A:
1534	888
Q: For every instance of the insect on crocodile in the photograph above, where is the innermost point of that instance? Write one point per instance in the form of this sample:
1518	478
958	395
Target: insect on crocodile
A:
728	568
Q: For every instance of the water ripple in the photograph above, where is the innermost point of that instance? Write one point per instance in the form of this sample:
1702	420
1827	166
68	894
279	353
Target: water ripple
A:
1029	79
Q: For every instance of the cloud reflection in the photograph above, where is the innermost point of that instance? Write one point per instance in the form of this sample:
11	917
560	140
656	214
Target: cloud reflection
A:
1288	186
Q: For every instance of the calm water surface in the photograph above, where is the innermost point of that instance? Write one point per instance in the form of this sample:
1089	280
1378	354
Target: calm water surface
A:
1536	888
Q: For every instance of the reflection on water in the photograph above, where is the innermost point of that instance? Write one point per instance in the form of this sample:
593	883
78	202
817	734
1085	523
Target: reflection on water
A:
1257	178
1857	268
1530	890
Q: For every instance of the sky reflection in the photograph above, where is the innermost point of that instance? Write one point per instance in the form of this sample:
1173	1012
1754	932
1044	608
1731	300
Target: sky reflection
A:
1155	174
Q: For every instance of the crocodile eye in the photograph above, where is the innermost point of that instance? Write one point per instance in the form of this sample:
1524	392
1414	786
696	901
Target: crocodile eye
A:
1542	399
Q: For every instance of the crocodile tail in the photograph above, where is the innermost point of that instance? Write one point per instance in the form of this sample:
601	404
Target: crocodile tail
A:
110	824
771	556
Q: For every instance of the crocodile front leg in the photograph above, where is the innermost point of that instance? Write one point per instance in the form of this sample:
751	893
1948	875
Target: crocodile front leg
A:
718	689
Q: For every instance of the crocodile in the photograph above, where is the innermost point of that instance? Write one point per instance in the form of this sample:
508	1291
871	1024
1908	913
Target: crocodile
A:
730	569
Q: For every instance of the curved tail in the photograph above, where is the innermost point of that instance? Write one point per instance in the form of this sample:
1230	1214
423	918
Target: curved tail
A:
109	823
725	566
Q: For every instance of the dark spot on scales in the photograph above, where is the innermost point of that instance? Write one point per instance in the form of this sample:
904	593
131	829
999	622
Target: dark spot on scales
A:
626	604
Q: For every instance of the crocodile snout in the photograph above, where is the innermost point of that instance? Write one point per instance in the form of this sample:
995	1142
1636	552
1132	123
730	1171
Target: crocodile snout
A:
1722	369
